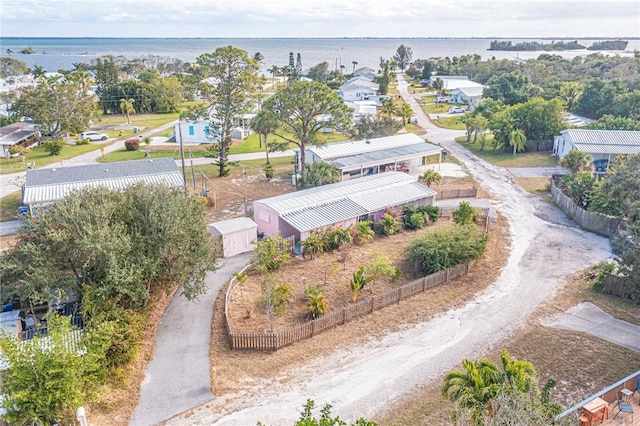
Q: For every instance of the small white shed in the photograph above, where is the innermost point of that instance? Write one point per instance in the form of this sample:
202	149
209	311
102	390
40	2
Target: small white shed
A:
238	235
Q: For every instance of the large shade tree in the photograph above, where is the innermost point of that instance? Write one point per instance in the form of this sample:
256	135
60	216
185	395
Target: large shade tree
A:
298	108
57	105
111	248
235	76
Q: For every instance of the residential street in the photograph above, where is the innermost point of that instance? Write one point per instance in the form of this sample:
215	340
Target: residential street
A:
545	248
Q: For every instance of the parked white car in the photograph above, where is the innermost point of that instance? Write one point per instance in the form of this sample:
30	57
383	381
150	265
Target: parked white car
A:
94	136
456	110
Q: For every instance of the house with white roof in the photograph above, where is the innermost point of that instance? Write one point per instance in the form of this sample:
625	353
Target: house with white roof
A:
599	144
43	187
467	95
341	204
359	158
366	72
358	89
362	109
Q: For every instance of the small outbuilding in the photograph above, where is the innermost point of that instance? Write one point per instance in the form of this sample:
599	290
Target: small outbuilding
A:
238	235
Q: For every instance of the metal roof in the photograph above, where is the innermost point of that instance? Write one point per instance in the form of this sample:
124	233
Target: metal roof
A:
604	141
391	155
16	132
317	207
347	148
324	215
51	184
230	226
389	197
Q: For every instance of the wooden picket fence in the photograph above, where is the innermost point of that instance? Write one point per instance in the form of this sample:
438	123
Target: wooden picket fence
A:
447	194
594	222
280	339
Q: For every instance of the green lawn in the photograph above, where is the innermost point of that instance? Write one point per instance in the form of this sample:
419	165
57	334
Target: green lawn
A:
507	159
453	122
9	206
39	157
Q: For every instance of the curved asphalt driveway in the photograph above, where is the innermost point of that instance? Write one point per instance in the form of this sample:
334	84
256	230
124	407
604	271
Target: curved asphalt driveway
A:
178	376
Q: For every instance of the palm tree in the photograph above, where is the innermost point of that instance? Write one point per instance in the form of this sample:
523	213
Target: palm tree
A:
126	106
516	375
517	139
576	161
318	174
38	72
405	112
264	124
437	85
354	66
388	107
429	177
274	70
474	388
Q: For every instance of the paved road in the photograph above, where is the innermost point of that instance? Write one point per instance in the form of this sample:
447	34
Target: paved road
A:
545	171
178	376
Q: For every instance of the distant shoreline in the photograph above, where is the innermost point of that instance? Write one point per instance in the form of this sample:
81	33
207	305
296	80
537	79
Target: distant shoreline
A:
318	38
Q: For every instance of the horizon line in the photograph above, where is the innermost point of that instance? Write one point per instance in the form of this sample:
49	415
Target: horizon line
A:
326	38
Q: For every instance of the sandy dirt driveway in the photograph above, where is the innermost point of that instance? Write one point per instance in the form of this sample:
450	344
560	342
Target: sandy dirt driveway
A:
368	379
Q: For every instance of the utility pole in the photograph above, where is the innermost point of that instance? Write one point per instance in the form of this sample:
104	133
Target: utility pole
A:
184	173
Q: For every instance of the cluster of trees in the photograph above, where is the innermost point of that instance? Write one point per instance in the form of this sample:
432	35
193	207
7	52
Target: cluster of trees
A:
535	45
490	394
615	194
114	251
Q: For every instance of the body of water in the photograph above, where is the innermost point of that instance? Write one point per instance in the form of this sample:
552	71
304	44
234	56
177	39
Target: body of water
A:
60	53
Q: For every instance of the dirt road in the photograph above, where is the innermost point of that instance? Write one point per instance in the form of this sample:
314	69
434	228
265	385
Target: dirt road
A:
367	379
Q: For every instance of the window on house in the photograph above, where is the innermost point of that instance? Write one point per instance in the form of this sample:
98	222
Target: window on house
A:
192	130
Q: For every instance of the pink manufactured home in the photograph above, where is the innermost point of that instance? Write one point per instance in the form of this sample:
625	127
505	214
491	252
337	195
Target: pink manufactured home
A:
340	204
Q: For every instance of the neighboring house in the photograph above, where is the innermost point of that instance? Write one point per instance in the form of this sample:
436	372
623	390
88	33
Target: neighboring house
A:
469	95
446	78
238	235
574	120
451	85
362	109
360	158
18	134
341	204
43	187
195	132
358	89
366	72
602	145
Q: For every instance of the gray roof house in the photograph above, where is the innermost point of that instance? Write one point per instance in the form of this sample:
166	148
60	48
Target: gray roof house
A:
45	186
599	144
358	158
23	134
340	204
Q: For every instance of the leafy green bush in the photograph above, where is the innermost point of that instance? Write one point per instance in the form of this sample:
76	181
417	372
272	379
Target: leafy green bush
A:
443	249
387	225
85	141
334	238
364	232
313	245
432	212
270	254
465	214
123	330
317	303
380	266
53	147
600	272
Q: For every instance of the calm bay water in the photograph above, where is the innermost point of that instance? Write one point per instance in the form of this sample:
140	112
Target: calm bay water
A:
60	53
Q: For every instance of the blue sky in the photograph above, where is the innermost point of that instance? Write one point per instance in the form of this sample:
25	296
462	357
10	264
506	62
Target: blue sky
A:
320	18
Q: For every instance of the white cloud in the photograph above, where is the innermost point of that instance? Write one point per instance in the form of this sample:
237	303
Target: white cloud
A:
325	18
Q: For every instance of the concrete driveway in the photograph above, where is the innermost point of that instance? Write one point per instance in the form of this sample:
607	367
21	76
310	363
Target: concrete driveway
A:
588	318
